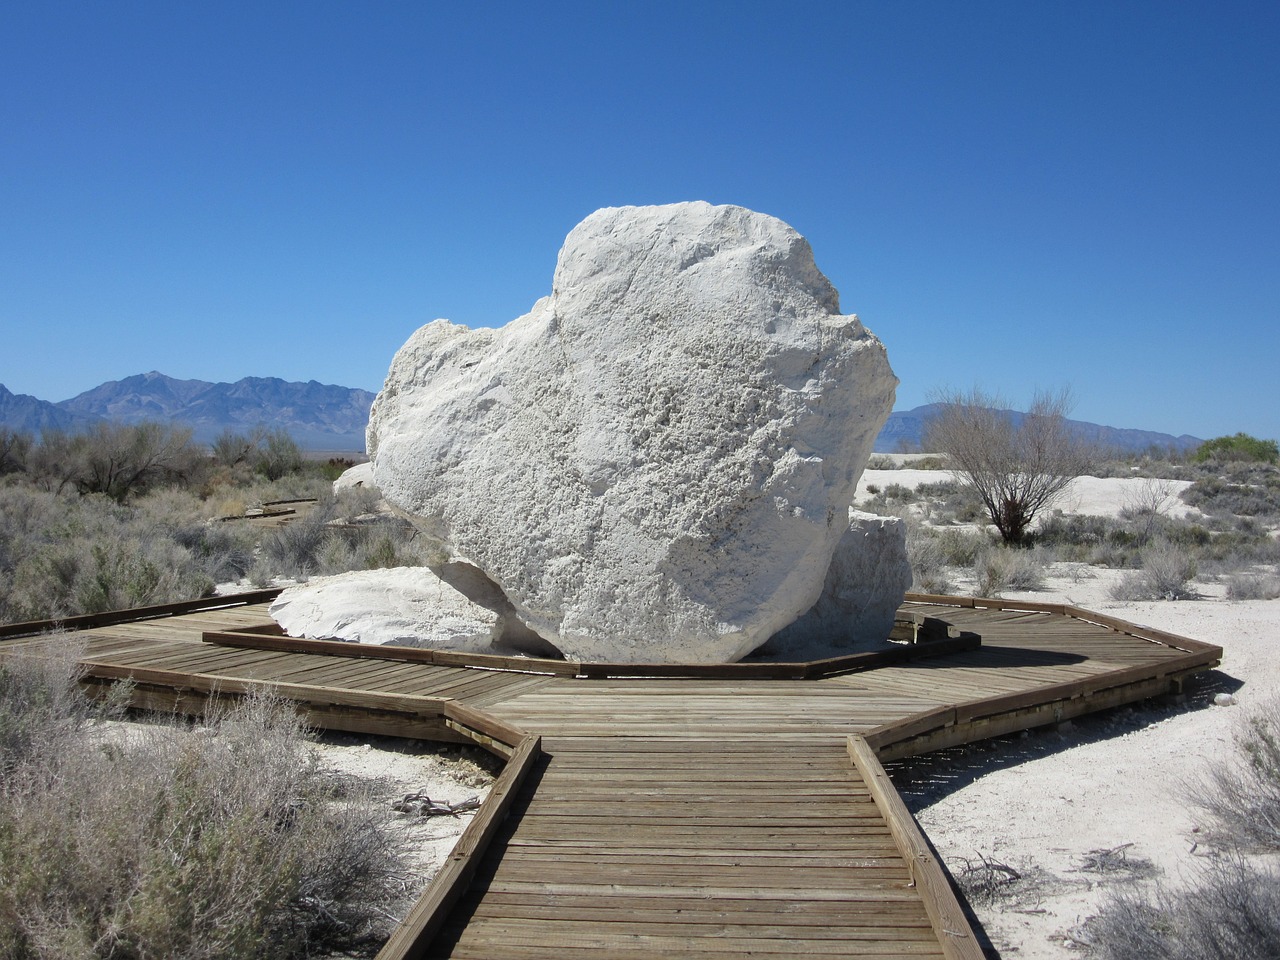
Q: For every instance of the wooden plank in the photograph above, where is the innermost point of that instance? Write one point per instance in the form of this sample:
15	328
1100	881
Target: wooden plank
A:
410	938
88	621
949	922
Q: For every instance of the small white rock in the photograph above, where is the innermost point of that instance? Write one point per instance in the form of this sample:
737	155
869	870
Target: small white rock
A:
1224	700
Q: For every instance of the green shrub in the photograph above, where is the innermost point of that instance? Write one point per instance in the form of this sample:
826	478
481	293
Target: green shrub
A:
1240	446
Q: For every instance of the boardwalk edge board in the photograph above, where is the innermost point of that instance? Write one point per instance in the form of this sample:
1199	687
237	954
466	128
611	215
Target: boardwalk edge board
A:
89	621
431	910
945	913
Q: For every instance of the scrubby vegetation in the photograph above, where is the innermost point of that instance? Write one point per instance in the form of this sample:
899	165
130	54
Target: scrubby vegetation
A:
1233	908
128	516
1016	464
1239	447
1231	538
226	840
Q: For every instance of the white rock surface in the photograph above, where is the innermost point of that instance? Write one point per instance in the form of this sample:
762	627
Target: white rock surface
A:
868	577
408	606
654	464
361	475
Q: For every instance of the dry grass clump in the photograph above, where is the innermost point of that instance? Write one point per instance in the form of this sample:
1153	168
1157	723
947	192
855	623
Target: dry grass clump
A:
1232	910
1001	568
1166	574
224	841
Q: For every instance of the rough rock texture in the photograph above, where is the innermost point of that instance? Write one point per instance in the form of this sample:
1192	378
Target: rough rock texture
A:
868	576
655	463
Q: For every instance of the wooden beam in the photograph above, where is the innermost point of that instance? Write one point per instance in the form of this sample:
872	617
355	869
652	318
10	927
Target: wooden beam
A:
952	928
412	937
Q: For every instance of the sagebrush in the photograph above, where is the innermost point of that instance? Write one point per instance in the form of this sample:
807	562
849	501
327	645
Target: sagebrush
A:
221	841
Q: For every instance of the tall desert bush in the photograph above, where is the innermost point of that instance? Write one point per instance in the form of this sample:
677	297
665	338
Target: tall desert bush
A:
226	841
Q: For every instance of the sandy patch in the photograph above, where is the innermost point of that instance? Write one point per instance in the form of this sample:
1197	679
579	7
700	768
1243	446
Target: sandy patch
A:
395	768
1093	496
1046	802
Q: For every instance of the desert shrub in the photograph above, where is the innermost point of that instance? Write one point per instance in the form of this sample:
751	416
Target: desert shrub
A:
1253	586
227	841
960	548
1216	496
952	501
1241	793
928	568
63	555
41	708
278	455
1166	574
997	569
1089	539
15	446
1239	447
353	503
1145	508
1017	464
116	459
1231	911
931	463
295	549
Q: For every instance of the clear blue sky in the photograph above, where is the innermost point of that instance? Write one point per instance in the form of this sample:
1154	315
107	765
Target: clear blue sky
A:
1015	195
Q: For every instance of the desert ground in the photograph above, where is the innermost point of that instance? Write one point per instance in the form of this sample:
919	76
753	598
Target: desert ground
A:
1101	803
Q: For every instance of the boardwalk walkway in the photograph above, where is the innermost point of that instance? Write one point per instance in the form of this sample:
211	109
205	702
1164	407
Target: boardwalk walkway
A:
671	817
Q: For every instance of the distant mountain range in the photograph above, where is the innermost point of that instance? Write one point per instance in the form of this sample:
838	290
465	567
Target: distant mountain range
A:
318	416
904	432
323	417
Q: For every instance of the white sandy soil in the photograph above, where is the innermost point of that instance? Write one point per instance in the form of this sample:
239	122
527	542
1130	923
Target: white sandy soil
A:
1043	802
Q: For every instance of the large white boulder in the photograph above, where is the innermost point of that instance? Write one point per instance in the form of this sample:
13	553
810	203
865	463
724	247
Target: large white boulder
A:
868	577
655	463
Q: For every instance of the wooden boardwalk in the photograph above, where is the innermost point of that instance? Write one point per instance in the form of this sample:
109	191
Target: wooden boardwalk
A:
718	815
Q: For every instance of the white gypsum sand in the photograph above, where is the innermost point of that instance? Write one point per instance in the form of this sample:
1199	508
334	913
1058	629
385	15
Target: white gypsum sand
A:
1047	802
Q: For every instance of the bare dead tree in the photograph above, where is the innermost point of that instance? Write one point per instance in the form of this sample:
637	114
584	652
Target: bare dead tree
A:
1017	463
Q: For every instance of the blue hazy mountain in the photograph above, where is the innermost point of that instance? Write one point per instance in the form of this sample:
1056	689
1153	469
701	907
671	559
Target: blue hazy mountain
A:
326	417
904	431
318	416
